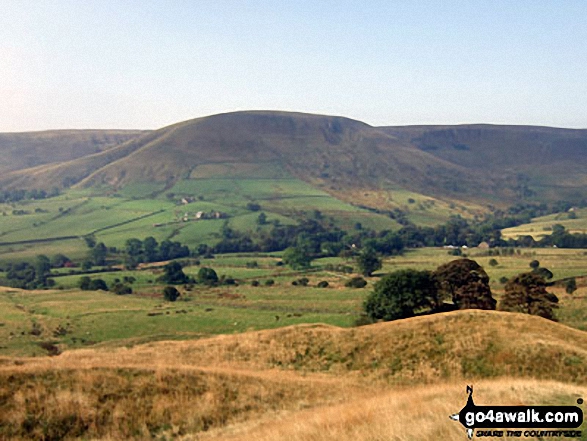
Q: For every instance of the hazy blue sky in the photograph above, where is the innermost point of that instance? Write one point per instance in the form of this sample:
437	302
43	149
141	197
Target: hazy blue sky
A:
146	64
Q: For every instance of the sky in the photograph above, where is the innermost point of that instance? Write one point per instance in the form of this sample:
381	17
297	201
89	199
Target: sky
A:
130	64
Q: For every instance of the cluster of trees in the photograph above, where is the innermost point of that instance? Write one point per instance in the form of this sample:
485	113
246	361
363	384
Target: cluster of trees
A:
464	283
7	196
119	287
27	275
135	251
149	250
173	274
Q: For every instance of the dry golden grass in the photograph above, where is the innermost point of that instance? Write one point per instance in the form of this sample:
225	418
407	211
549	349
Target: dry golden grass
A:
414	414
396	381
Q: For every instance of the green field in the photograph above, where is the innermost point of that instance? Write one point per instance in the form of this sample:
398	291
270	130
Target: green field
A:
574	222
71	318
140	210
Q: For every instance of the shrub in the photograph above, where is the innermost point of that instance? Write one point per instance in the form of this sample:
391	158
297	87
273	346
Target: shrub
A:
356	282
173	274
269	282
255	283
170	293
207	276
121	289
571	286
98	284
301	282
322	284
84	283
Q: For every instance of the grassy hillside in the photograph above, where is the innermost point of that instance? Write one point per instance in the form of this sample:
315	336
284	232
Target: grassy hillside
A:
346	158
30	149
534	163
302	382
574	221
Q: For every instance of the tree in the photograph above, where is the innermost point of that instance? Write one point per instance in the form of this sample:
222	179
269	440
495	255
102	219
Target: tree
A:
571	286
98	254
262	219
466	283
401	294
42	268
173	274
534	264
545	273
527	293
150	246
297	258
97	284
170	293
368	261
84	283
121	289
356	282
90	241
493	262
207	276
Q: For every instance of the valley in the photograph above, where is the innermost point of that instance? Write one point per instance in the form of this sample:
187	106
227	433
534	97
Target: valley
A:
123	331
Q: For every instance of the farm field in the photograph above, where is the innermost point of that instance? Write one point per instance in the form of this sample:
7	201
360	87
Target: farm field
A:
574	222
70	318
33	227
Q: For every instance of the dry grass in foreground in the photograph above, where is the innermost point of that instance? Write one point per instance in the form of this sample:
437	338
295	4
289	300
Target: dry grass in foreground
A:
415	414
390	381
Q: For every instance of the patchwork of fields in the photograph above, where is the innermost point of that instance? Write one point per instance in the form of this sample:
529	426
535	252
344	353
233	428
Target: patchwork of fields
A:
70	318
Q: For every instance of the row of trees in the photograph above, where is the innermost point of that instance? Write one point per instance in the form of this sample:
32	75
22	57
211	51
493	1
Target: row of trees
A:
8	196
464	283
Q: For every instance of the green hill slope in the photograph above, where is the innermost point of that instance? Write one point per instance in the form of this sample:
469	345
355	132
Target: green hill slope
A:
474	164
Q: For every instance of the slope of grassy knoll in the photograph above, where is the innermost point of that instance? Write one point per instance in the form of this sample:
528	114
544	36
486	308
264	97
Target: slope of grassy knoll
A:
396	380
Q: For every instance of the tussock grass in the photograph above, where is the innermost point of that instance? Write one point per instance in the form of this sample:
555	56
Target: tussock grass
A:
397	380
415	414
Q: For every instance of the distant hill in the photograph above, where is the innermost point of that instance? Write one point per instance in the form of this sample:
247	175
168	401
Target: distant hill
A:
30	149
476	163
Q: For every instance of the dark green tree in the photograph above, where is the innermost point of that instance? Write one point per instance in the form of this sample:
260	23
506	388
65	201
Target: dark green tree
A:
401	294
571	286
98	284
173	274
356	282
466	283
150	247
545	273
368	261
84	283
42	269
98	254
170	293
527	293
134	248
262	219
297	258
207	276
